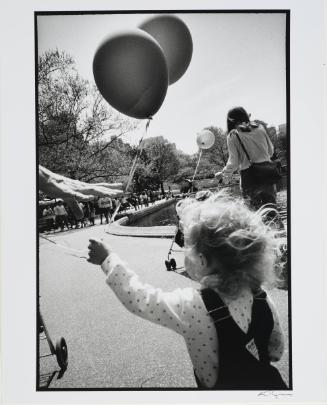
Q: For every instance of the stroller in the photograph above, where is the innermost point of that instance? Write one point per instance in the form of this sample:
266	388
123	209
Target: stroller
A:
178	238
60	350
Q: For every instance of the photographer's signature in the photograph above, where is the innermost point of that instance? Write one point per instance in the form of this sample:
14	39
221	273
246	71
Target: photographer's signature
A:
274	394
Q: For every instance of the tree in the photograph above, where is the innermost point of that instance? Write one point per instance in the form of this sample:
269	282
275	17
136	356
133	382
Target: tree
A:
77	129
218	154
212	159
187	164
145	179
161	159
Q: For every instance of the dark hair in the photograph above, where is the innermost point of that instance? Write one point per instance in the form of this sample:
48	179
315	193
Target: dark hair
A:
236	116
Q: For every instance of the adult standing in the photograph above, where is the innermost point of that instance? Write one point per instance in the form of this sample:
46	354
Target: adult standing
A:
105	205
82	219
114	203
146	198
92	214
71	217
87	212
151	197
246	140
133	201
61	215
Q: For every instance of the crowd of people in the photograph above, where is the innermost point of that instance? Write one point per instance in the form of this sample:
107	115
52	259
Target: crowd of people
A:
61	216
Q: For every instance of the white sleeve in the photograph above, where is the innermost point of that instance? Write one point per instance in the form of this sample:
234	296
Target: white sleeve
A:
276	341
163	308
269	143
233	159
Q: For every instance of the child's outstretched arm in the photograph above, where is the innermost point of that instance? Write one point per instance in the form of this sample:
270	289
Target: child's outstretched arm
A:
169	309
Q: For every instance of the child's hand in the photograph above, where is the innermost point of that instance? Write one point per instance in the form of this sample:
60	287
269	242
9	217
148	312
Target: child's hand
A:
98	251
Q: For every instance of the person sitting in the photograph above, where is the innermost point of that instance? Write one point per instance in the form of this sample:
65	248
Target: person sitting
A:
47	211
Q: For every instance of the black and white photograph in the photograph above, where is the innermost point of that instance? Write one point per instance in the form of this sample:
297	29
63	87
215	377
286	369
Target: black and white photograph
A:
163	150
163	193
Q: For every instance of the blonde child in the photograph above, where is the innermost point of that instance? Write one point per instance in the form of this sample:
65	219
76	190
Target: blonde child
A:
230	327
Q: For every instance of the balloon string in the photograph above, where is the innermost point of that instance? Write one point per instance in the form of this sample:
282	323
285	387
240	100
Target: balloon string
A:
73	252
196	168
133	167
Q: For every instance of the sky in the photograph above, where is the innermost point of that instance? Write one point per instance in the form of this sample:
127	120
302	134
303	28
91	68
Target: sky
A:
238	60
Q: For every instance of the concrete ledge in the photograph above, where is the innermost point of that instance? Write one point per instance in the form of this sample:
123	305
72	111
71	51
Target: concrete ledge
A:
134	216
121	228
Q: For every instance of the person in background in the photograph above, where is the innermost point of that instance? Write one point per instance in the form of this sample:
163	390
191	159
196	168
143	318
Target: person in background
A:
101	210
87	213
82	219
49	216
71	218
133	201
47	211
138	198
124	205
141	198
259	148
61	215
151	197
105	206
114	202
92	214
146	198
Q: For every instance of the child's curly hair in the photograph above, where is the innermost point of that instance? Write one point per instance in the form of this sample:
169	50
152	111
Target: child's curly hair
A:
242	247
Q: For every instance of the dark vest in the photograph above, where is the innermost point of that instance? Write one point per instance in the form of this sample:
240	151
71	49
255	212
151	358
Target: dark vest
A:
239	369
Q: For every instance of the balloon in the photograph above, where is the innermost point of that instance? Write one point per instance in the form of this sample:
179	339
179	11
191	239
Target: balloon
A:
205	139
130	71
175	40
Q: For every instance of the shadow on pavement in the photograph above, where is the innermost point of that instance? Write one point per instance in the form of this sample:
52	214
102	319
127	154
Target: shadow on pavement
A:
45	379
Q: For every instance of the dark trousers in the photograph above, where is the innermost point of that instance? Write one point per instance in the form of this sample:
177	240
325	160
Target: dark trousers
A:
62	221
104	212
257	194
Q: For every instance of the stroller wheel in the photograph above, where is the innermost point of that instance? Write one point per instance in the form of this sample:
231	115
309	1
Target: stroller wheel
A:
173	264
62	353
168	266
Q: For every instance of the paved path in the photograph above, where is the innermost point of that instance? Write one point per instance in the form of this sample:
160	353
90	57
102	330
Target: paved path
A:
109	347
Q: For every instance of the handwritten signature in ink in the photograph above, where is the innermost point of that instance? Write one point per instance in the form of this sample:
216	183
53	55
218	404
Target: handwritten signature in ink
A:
273	394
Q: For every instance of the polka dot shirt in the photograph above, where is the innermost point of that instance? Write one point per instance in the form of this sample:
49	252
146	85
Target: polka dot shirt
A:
183	311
